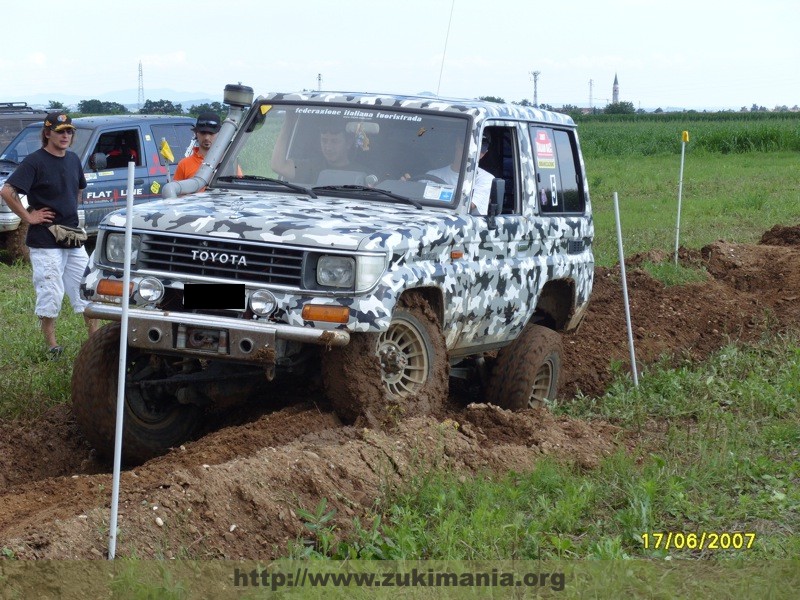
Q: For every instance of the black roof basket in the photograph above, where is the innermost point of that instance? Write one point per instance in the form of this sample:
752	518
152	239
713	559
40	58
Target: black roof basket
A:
17	107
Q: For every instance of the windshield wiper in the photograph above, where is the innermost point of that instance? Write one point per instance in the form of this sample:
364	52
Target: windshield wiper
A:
8	160
292	186
363	188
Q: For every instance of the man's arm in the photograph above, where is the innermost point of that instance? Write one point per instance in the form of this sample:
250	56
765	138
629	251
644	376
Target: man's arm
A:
34	217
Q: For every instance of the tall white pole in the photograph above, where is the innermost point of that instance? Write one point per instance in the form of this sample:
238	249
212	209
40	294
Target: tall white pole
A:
123	359
685	138
634	370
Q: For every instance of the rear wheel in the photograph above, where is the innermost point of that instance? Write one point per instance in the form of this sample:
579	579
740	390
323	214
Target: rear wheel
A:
527	371
153	421
405	366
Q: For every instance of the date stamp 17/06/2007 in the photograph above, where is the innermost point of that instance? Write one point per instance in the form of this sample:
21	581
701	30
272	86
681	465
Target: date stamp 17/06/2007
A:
702	540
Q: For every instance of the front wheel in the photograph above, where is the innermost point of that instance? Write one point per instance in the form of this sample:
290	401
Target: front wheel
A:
406	367
527	371
153	419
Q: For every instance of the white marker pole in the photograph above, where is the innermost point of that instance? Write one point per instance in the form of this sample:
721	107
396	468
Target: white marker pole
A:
625	293
685	138
123	360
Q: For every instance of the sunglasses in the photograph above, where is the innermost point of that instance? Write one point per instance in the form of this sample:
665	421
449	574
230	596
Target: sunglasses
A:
207	124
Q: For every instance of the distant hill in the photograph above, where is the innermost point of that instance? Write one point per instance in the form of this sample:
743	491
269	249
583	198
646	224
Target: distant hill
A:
128	98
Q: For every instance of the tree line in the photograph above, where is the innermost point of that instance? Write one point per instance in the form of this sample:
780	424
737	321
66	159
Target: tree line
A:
150	107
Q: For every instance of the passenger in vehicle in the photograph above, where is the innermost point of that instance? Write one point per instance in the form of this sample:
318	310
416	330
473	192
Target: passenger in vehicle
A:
335	146
122	153
483	179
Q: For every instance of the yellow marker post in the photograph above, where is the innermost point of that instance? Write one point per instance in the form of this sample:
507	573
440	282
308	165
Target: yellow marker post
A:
685	140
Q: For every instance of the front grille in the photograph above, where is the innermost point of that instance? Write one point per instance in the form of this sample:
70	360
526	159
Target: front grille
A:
216	257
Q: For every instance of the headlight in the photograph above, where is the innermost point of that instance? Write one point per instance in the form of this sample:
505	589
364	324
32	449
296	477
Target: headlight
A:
263	303
336	271
115	248
151	289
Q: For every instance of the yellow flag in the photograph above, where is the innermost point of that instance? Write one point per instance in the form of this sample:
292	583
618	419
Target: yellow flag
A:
166	151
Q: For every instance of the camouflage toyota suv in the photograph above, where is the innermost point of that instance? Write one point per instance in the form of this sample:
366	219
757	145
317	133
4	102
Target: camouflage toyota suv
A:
335	236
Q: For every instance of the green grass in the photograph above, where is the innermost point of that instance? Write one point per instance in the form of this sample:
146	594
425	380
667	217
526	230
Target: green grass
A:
732	197
29	382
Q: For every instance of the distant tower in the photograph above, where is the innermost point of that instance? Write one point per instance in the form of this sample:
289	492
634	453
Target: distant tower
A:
615	91
535	75
319	82
141	87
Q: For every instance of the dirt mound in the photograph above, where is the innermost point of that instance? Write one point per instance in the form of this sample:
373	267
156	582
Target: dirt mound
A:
233	492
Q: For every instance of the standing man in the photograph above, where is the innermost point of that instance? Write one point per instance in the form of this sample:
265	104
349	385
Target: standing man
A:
205	130
53	180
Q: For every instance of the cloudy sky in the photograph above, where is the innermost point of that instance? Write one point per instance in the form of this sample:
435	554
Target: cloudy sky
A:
692	54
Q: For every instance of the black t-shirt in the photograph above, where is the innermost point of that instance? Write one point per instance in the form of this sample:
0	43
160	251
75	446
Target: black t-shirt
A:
52	182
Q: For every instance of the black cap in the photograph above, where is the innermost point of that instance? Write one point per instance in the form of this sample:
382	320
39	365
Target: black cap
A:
208	122
58	121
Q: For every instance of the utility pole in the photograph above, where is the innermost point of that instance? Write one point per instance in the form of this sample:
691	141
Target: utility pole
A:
141	87
591	105
319	82
535	75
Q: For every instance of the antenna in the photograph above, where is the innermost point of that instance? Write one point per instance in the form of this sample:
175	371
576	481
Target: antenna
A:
444	52
591	106
141	87
319	81
535	75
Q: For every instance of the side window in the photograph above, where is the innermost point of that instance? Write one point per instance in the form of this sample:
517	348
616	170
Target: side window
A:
501	160
120	147
572	199
557	171
179	136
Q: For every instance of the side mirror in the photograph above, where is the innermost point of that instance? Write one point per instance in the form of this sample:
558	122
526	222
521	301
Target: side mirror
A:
98	161
496	196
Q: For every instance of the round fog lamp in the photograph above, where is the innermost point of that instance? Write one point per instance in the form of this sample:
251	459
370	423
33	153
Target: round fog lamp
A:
263	303
151	289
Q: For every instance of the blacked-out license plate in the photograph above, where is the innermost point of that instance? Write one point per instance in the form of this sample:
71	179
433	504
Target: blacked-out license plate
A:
214	295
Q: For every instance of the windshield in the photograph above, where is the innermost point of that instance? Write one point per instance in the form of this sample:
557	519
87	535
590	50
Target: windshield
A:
30	140
415	155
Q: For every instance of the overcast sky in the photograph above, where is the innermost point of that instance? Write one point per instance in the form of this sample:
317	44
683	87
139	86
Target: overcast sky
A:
666	53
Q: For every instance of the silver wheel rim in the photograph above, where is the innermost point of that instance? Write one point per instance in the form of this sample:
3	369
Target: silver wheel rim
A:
541	385
404	359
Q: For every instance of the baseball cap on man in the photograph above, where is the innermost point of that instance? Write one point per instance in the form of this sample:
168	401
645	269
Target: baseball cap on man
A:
207	122
58	121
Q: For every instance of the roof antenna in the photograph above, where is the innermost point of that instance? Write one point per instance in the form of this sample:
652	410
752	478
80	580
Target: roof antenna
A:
446	37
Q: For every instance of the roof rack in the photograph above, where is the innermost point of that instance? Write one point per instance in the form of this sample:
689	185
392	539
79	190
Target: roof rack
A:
17	107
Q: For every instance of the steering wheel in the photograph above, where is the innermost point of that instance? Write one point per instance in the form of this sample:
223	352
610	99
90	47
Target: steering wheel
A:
428	177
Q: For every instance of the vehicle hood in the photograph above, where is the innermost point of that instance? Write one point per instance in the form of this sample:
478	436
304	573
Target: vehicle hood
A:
327	221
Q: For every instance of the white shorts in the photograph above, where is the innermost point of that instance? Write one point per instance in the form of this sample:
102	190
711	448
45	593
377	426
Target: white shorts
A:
58	271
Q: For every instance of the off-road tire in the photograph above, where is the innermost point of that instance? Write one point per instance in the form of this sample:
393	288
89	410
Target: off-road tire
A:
404	368
527	371
94	403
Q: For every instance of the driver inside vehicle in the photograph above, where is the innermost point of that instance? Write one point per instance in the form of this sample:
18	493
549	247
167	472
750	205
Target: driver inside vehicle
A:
449	174
335	145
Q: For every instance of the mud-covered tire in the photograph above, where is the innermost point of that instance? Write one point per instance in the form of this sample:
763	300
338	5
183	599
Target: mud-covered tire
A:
405	367
148	431
527	371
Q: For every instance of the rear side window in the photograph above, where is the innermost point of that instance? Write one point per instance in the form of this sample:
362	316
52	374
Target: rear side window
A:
558	176
179	136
